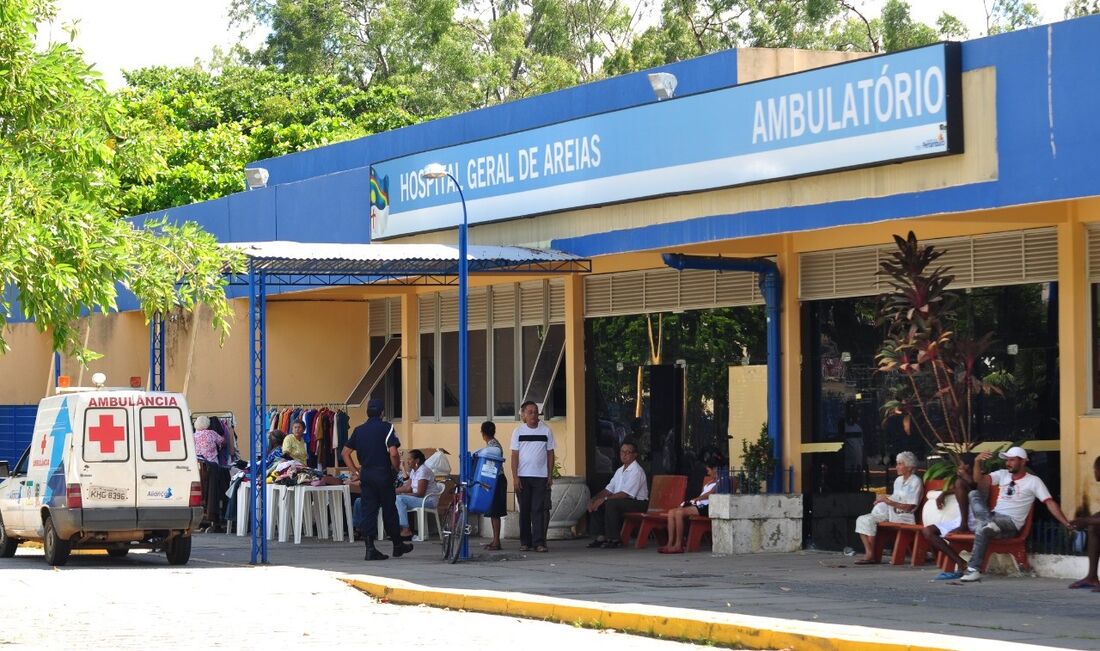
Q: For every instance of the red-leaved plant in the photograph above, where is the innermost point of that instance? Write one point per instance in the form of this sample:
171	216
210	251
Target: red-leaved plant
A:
936	368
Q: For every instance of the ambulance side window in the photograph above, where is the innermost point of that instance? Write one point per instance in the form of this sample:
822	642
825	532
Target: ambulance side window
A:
21	465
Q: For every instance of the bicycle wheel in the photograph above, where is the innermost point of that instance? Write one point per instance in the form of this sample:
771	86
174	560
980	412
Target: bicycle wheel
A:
460	534
450	524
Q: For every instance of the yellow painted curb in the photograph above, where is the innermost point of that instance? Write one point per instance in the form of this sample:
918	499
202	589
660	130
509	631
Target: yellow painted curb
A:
743	631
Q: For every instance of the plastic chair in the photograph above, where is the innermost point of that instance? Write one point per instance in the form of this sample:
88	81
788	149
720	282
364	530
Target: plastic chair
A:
699	526
906	537
1016	545
423	511
667	492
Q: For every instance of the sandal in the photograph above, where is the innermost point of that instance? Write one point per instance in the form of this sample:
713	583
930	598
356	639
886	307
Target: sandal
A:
524	548
865	561
596	543
1083	583
611	544
541	549
491	547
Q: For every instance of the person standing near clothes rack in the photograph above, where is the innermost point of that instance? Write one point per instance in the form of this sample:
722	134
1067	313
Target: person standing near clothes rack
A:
294	445
376	445
533	474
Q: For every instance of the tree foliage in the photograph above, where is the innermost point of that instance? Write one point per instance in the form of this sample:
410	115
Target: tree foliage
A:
206	126
1078	8
64	145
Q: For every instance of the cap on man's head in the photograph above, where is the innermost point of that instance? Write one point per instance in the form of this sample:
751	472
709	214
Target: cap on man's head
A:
375	405
1017	452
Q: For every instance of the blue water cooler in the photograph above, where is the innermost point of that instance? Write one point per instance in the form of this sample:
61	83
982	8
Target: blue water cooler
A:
487	464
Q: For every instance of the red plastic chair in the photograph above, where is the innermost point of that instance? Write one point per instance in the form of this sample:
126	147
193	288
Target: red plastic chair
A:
667	492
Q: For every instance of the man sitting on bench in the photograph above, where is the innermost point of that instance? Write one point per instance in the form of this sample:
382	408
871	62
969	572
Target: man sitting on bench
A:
1018	489
627	492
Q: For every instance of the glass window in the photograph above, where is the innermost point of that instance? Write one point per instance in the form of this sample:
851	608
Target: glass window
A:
427	375
504	373
389	388
477	381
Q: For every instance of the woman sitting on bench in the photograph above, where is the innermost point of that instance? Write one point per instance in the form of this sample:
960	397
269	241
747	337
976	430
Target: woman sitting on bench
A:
899	506
677	517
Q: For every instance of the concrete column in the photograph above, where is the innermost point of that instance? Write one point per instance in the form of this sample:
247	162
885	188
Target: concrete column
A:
574	377
790	333
410	367
1073	353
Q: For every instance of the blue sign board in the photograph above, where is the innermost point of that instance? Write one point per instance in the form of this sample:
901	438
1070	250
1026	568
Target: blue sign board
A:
867	112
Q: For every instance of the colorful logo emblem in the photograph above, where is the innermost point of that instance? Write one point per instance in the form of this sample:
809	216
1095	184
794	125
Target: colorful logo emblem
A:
379	204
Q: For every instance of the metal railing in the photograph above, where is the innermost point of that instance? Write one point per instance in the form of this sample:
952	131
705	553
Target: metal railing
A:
1050	537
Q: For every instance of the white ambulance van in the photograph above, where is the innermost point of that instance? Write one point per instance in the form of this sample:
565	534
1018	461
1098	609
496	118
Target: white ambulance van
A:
110	469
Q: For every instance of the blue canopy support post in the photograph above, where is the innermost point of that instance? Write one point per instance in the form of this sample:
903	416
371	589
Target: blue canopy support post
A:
771	289
156	352
257	393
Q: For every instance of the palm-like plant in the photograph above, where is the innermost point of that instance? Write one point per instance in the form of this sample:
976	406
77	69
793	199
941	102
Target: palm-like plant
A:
937	369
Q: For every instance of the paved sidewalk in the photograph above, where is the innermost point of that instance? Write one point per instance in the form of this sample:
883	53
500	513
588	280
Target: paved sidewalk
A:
822	587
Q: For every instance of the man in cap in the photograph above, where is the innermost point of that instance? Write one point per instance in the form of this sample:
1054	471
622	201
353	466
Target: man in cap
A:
376	445
1018	489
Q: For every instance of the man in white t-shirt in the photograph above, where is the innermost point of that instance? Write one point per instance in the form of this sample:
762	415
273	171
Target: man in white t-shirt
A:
1018	490
532	475
627	492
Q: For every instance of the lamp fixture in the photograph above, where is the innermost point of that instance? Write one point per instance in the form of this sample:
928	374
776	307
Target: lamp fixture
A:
663	83
434	171
255	177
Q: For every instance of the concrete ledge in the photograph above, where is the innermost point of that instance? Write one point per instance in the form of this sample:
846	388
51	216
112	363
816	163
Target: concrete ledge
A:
743	631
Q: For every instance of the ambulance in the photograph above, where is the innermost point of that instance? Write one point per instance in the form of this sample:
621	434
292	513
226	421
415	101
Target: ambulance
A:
111	469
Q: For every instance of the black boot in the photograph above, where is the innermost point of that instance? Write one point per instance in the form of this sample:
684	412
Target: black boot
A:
401	548
373	554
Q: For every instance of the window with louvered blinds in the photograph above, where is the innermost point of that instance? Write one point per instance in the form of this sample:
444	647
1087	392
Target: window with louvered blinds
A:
1094	252
427	307
385	317
1012	258
667	290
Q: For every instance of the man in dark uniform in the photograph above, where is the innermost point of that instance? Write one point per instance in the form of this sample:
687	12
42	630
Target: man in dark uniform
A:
376	445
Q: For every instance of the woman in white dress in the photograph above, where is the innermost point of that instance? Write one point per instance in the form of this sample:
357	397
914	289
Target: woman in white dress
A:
899	506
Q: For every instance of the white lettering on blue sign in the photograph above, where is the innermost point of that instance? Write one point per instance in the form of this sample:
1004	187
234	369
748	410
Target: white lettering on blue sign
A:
881	109
880	101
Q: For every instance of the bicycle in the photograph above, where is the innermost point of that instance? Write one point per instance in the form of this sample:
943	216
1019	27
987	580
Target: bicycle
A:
455	526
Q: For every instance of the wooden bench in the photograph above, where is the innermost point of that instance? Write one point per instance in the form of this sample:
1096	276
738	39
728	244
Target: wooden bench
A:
1016	545
667	493
906	537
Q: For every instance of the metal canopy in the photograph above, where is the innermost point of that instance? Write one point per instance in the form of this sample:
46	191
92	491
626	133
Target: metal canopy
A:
308	264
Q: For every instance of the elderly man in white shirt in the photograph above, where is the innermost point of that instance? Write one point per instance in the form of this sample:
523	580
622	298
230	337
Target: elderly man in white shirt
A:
626	493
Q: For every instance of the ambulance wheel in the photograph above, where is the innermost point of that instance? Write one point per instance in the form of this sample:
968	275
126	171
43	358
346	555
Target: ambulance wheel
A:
178	550
57	550
7	545
118	552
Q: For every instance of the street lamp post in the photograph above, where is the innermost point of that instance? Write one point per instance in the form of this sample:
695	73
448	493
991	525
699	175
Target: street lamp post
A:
438	171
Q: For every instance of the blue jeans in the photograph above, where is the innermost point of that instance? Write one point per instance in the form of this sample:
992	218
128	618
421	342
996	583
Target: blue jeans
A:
357	515
406	502
983	516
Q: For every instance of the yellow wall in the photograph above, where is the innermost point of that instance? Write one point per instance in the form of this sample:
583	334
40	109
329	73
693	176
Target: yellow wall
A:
748	391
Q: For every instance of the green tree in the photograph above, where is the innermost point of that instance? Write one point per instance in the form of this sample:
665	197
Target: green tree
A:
1009	15
491	51
63	146
1078	8
206	126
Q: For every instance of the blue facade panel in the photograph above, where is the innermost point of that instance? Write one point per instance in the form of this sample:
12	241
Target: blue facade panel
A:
331	208
251	216
16	429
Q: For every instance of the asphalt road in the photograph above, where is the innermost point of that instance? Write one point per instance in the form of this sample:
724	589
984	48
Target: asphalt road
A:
140	602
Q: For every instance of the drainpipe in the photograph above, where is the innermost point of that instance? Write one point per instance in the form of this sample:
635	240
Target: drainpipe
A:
770	288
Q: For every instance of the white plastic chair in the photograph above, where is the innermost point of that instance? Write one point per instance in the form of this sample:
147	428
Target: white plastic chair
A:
423	511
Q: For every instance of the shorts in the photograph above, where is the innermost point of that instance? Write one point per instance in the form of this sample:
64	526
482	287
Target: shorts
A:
499	507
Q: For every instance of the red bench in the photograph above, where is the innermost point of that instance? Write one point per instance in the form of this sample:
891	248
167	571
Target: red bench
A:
667	493
699	526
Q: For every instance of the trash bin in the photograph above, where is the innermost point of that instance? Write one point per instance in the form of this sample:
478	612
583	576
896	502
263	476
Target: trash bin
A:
487	464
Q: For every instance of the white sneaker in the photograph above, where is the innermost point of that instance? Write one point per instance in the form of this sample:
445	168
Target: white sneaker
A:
971	575
992	528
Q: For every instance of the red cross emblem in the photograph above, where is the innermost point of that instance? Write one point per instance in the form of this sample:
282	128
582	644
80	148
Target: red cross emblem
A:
162	433
106	434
